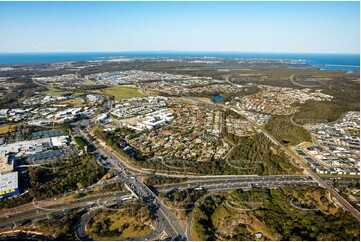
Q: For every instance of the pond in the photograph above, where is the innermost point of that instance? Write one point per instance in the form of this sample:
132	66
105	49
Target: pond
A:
217	98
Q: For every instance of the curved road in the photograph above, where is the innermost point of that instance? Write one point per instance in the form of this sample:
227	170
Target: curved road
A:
81	233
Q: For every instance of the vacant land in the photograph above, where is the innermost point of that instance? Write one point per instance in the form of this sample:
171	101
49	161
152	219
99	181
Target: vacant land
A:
282	128
89	82
75	102
129	221
259	156
285	73
7	128
57	227
123	92
78	172
346	95
288	213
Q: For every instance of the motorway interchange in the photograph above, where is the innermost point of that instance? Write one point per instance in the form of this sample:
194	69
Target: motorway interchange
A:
166	222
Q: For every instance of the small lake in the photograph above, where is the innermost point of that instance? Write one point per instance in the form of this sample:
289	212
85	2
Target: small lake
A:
217	98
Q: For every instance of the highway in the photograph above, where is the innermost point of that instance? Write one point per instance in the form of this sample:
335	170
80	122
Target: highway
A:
81	233
190	216
299	162
303	164
315	177
211	185
24	236
171	224
57	199
38	211
343	181
265	181
80	227
165	220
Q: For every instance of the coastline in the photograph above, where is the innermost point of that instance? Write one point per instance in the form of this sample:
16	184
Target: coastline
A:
343	62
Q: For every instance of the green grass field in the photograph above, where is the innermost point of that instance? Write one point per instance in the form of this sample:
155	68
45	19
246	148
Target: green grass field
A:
123	92
55	92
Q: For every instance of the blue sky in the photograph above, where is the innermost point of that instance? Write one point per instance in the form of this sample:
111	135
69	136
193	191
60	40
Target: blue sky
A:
301	27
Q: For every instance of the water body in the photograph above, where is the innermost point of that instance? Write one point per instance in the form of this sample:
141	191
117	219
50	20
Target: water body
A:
247	67
347	62
217	98
347	68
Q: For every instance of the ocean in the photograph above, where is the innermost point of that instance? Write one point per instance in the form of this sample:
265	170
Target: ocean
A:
346	62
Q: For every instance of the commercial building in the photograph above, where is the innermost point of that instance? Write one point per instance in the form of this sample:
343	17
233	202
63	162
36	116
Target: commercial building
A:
6	162
9	184
46	133
28	147
103	118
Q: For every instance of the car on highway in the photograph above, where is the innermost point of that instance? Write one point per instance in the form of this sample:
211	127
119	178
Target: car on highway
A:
26	221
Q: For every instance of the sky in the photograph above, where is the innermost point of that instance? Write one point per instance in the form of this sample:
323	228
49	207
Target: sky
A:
297	27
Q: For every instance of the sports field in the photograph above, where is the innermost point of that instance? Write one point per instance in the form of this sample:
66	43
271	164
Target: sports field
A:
123	92
56	92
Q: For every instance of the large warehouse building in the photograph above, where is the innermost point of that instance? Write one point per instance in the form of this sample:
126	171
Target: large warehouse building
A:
9	184
8	178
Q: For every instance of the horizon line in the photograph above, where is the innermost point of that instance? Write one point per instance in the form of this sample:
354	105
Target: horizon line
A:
178	51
